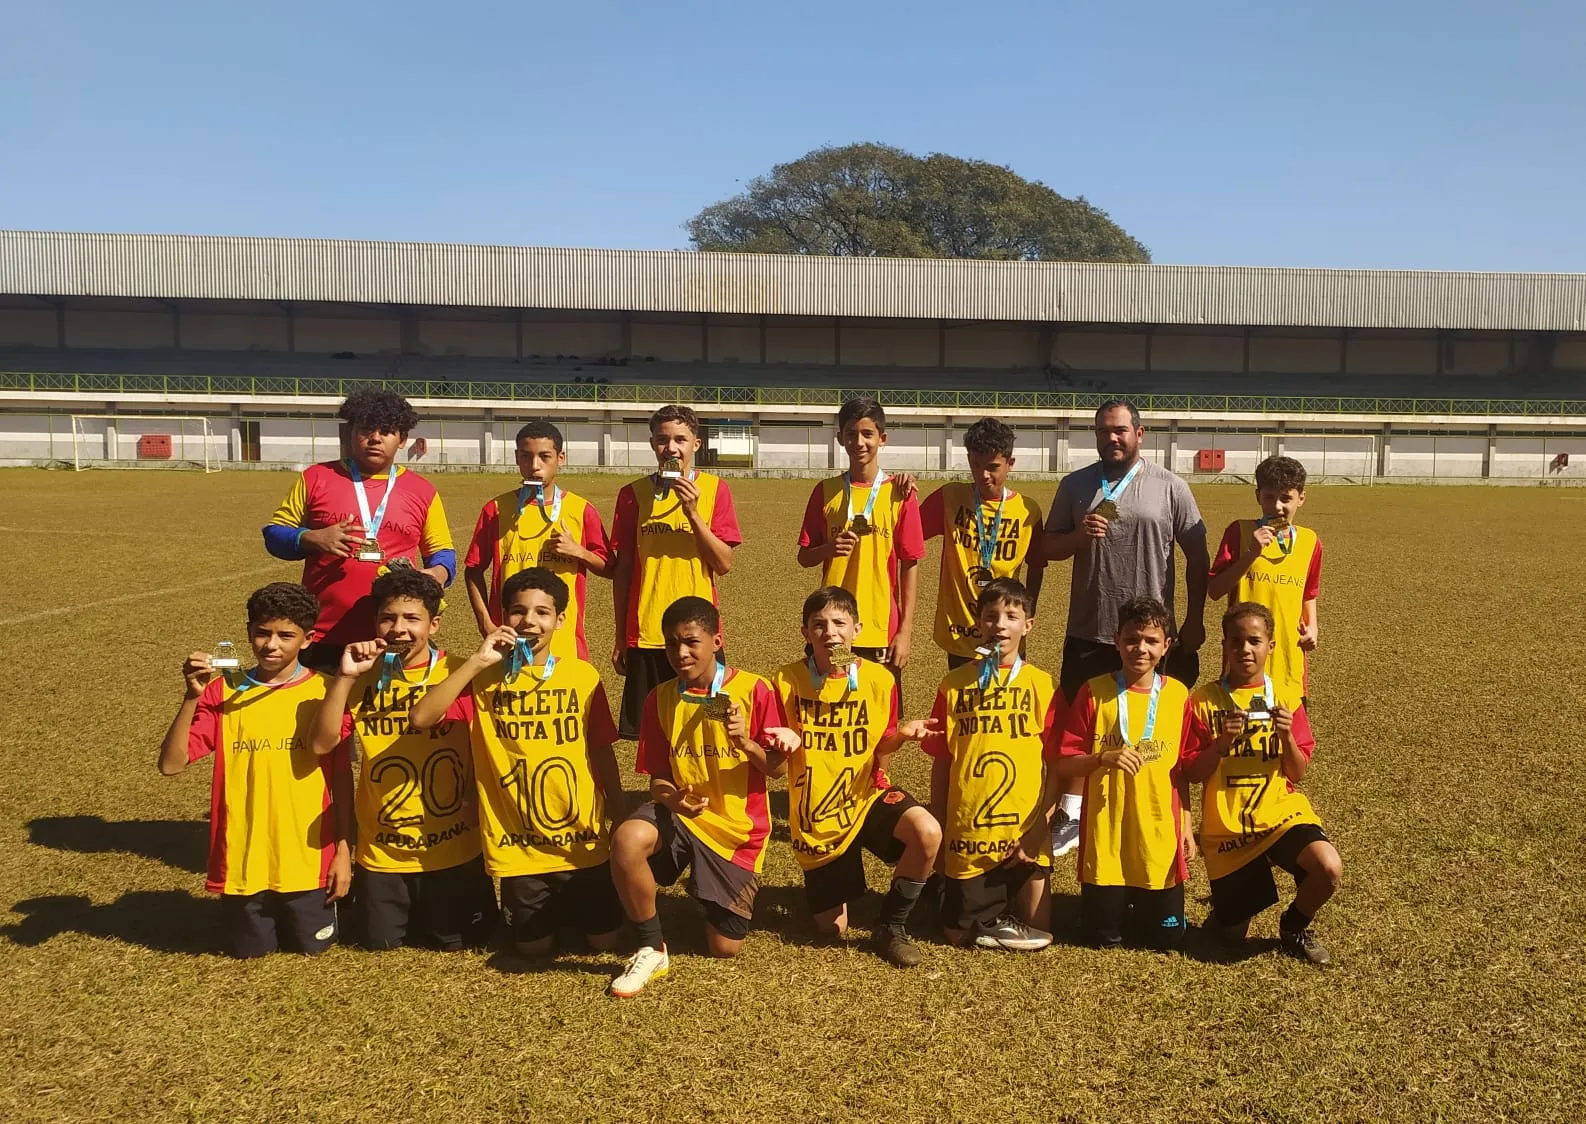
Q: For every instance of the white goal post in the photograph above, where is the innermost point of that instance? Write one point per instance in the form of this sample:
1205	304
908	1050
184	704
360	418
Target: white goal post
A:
1351	455
190	436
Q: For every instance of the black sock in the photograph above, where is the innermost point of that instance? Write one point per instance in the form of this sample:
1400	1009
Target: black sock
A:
1293	921
650	932
899	902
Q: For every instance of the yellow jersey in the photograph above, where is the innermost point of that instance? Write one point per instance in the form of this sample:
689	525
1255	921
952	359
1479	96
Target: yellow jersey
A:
650	525
1013	524
1283	581
870	571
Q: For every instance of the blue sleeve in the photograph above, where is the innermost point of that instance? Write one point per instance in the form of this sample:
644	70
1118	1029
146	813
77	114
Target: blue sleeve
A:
282	542
447	558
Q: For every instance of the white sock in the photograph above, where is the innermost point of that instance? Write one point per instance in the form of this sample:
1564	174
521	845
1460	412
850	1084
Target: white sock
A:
1071	803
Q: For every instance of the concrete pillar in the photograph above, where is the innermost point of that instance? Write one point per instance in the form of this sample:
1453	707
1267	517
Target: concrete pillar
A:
1490	455
1385	452
1282	427
754	442
1060	446
1172	445
112	436
487	438
947	445
235	444
608	451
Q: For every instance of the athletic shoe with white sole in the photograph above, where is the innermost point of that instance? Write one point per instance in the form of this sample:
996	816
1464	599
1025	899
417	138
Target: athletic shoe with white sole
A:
1065	835
643	966
1011	935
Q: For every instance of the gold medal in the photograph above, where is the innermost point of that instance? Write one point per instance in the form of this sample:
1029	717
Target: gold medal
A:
1277	525
1107	509
860	525
671	469
843	658
717	707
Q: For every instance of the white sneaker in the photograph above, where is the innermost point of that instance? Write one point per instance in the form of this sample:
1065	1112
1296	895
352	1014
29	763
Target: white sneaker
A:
643	966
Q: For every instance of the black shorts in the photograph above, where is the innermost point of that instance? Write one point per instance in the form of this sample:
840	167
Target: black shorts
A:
1241	894
1109	915
1085	659
842	880
647	669
258	924
967	902
446	909
533	905
726	891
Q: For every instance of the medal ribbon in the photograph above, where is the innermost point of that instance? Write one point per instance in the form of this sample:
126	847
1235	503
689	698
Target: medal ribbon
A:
992	664
372	523
391	667
870	502
249	681
1266	691
1115	492
522	656
1286	545
816	678
715	686
988	542
1150	713
556	500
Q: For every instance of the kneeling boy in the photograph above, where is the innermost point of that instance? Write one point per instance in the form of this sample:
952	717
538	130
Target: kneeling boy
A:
1254	745
703	742
418	876
542	733
993	787
279	816
840	803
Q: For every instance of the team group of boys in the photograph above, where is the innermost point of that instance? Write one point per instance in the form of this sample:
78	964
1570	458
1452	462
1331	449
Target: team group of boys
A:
500	764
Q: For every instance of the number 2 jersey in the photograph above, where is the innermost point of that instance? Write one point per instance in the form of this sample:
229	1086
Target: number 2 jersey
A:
541	809
997	742
833	778
415	790
1247	804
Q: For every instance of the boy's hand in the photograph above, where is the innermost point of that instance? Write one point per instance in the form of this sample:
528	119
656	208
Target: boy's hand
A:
1029	847
688	496
340	538
1264	537
502	639
845	542
1308	637
360	657
686	803
903	484
338	882
1192	635
1128	759
782	739
898	654
1095	526
563	545
619	658
1282	720
735	722
197	672
920	729
1232	723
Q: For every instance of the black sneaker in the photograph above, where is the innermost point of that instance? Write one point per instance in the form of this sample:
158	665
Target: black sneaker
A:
1065	835
892	944
1303	945
1011	935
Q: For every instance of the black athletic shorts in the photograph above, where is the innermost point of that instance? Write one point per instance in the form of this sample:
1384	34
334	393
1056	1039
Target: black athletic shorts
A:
726	891
1241	894
647	669
446	909
967	902
533	905
1111	915
258	924
842	880
1085	659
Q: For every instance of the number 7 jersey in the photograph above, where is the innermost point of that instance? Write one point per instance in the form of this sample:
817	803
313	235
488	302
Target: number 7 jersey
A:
997	742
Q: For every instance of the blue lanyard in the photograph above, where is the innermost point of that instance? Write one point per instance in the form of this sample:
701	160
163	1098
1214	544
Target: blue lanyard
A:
993	664
556	501
391	668
715	686
870	501
1115	491
1266	691
1150	713
372	523
249	681
522	656
988	542
817	679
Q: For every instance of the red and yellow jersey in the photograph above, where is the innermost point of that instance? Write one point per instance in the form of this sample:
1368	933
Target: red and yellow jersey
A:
414	527
1283	583
997	742
1129	828
541	808
271	825
652	527
833	778
1247	804
507	540
415	799
949	512
679	742
870	571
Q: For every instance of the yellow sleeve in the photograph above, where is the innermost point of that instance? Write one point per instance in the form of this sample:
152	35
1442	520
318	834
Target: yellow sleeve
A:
437	534
294	508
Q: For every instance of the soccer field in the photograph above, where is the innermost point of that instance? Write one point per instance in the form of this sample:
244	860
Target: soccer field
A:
1450	771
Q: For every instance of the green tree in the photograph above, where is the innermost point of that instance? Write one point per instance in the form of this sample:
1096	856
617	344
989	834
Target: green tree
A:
872	200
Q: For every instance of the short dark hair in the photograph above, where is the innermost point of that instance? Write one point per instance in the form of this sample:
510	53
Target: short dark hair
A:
283	601
1005	591
675	413
1116	404
861	406
406	583
539	430
989	437
1281	473
535	577
1143	612
690	610
825	597
374	407
1244	610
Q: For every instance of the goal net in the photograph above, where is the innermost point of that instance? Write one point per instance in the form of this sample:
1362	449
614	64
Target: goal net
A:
99	440
1352	455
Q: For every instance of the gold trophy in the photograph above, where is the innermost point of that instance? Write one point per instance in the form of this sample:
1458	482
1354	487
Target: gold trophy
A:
225	657
843	658
369	550
671	469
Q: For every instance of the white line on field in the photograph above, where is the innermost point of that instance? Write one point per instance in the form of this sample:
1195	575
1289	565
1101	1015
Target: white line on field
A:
65	610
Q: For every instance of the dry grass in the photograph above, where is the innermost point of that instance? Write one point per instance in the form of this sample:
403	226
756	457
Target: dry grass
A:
1447	705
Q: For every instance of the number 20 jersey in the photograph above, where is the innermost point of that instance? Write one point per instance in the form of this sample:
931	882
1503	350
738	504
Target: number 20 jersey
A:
540	807
997	743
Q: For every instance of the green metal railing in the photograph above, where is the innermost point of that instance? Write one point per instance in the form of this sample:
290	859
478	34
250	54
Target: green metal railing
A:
755	396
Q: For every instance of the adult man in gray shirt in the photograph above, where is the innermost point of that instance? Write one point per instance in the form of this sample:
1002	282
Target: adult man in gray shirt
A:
1118	520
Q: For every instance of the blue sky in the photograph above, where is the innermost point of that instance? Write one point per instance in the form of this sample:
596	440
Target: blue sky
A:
1394	134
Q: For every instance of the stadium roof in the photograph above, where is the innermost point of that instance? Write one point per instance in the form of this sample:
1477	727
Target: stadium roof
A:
203	267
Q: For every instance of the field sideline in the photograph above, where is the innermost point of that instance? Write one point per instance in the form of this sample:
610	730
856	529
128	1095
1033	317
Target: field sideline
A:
1447	703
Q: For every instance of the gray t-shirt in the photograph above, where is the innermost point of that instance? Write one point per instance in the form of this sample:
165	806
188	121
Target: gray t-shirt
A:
1136	557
